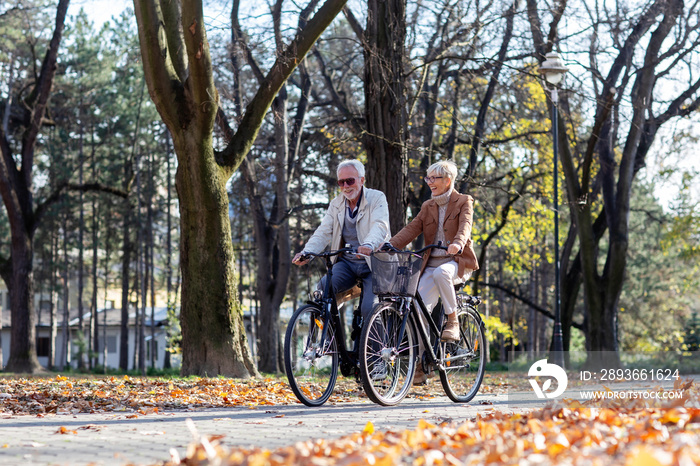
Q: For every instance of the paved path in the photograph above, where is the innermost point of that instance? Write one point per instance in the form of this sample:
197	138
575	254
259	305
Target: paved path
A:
117	439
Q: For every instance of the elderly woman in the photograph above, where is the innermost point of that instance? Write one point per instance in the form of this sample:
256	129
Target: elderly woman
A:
446	217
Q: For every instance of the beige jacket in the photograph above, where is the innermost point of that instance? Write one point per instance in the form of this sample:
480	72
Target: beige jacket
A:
372	223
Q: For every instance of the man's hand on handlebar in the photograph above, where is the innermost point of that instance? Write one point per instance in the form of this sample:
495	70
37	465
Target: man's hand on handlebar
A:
363	251
300	259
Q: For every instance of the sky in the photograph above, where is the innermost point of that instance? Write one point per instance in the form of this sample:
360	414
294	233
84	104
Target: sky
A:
99	11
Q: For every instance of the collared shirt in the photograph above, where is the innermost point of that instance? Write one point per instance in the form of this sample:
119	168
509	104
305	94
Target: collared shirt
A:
352	213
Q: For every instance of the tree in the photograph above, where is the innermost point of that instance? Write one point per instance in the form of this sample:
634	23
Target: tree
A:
178	71
268	176
17	190
385	104
630	73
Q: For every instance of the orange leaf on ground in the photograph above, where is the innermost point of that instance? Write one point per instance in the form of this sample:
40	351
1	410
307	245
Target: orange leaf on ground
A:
65	430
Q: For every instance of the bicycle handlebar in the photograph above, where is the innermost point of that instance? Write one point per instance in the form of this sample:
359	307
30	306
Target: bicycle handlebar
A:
307	254
388	247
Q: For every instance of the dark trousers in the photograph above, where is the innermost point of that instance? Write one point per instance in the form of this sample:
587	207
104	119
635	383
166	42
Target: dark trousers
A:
345	275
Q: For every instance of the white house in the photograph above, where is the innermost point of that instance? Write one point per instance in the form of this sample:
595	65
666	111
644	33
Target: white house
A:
108	329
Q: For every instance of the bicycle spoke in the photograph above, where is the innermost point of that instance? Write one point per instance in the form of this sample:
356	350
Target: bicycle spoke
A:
464	360
386	363
311	365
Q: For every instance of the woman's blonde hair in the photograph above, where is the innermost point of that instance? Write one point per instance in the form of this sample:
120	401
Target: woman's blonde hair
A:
444	168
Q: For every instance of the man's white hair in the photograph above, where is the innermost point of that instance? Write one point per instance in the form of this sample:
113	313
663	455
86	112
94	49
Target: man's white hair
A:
356	164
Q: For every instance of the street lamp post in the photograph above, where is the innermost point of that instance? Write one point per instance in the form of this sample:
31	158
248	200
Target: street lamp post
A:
553	71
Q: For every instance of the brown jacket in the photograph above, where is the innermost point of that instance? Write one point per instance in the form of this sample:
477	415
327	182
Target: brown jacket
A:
457	225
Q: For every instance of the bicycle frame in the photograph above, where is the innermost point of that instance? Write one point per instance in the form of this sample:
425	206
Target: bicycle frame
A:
408	304
331	312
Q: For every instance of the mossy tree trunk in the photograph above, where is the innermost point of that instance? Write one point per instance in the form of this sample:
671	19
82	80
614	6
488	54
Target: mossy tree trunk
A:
178	71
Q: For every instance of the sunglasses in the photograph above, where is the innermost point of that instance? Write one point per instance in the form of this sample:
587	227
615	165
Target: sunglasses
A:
347	182
431	179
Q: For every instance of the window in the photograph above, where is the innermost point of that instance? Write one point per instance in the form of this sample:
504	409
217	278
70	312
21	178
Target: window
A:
109	304
42	346
111	344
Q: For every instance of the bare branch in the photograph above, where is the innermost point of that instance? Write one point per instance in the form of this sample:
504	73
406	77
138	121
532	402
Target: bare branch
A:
283	67
164	84
354	24
61	189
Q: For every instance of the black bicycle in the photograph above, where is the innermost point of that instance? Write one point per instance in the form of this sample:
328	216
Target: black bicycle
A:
393	334
315	342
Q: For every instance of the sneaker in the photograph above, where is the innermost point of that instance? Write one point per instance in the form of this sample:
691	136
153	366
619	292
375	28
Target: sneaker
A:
379	371
451	331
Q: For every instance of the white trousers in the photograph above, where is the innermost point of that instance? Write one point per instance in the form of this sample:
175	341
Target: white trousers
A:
439	282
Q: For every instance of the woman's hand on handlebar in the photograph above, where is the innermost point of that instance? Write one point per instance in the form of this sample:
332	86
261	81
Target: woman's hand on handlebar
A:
387	247
454	249
300	259
363	251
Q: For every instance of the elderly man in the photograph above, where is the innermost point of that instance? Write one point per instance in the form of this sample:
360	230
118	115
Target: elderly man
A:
358	217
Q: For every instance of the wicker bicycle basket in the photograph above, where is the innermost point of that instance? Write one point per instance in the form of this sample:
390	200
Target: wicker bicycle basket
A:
395	273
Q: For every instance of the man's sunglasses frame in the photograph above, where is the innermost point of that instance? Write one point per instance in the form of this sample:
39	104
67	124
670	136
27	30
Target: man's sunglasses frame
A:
347	182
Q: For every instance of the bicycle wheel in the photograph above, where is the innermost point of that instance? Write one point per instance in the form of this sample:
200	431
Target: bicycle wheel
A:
464	360
312	367
387	362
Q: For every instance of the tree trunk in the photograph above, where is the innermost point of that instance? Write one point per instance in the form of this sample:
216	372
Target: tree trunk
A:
84	343
16	189
53	293
64	362
95	341
273	242
108	231
178	71
126	264
23	357
213	335
385	104
151	258
168	253
142	280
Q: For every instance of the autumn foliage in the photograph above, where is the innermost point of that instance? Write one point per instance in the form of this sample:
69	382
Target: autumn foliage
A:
565	432
62	395
626	432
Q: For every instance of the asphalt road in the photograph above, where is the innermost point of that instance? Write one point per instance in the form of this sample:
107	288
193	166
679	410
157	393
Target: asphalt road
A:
123	438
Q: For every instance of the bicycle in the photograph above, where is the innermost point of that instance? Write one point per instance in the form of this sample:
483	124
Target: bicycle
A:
389	342
315	342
